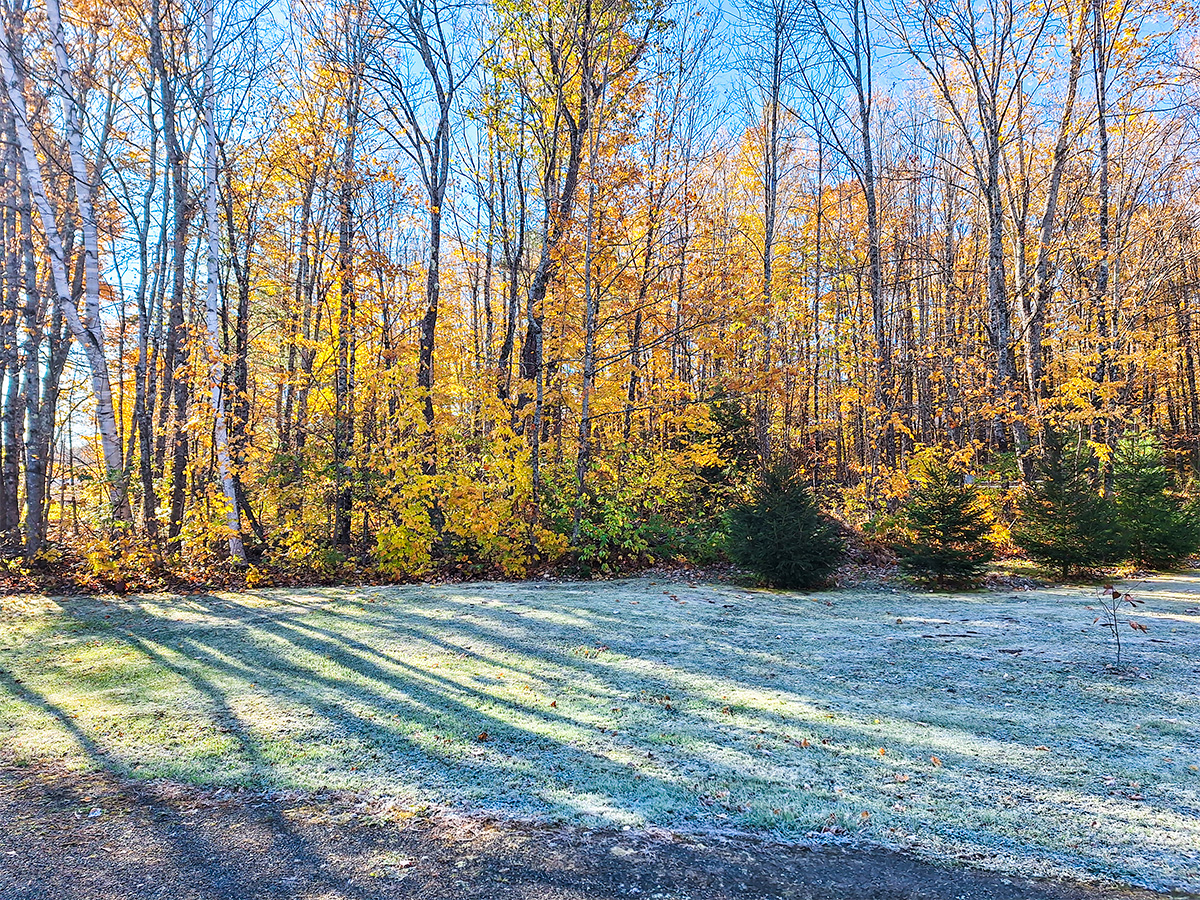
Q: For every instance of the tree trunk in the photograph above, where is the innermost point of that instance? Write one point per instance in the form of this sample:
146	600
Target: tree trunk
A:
1104	367
428	339
1033	314
175	387
216	367
10	513
591	313
343	427
89	333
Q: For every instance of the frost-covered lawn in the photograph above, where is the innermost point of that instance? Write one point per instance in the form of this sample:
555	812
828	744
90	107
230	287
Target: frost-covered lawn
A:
980	725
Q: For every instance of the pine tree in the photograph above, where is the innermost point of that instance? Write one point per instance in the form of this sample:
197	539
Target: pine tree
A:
781	535
948	525
1160	529
1064	522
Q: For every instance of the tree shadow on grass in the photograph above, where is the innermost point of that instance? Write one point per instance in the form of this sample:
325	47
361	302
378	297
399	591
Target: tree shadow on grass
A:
358	698
367	685
396	719
437	702
190	849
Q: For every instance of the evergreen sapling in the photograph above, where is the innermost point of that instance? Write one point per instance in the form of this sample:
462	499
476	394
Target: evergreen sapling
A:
948	524
1160	529
1065	523
780	534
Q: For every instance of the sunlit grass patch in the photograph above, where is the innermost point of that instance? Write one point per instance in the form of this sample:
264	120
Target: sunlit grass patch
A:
983	724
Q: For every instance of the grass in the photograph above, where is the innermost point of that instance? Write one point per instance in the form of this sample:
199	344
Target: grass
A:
985	726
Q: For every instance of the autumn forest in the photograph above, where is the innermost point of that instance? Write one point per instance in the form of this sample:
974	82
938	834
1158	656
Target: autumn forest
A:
399	286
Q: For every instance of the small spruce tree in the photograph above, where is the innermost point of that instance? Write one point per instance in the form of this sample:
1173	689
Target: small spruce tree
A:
1160	529
947	524
780	534
1064	522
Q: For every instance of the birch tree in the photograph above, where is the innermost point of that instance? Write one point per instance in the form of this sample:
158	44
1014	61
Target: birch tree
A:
88	328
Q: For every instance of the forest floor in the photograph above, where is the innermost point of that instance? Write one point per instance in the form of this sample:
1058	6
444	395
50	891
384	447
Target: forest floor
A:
598	739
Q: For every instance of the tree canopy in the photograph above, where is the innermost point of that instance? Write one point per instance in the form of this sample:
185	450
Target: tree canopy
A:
403	283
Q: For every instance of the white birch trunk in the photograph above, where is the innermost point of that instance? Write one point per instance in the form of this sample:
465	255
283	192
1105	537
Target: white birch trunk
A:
237	550
88	332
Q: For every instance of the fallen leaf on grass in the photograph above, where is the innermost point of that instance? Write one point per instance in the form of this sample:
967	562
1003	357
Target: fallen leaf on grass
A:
483	736
903	778
1042	747
935	760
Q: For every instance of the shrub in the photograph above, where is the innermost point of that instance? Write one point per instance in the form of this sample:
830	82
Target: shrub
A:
1064	522
402	549
118	562
947	524
618	529
634	512
1160	529
489	513
780	534
294	550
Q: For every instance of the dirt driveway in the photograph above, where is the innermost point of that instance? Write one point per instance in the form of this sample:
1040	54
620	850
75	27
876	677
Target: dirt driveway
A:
67	835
